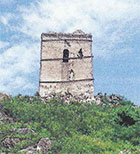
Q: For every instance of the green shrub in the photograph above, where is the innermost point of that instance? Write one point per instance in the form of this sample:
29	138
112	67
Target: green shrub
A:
74	128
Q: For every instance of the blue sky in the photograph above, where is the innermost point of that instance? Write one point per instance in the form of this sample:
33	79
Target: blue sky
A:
114	24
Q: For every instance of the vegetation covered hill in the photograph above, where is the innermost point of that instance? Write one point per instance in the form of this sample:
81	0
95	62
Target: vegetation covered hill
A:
74	128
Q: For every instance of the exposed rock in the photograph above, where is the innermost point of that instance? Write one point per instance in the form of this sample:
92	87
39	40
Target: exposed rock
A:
24	130
4	96
10	142
112	99
43	145
125	152
68	97
30	150
4	117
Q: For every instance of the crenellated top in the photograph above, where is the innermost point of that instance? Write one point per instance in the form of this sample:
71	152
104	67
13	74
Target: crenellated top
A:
78	34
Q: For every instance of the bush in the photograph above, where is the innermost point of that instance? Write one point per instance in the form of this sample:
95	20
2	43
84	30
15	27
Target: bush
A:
74	128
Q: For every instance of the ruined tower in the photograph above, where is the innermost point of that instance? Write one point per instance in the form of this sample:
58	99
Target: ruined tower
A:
66	65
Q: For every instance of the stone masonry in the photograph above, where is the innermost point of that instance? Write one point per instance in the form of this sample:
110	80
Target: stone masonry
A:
66	64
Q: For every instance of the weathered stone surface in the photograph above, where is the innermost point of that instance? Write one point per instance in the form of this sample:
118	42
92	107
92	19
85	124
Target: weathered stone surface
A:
67	98
24	130
4	117
76	75
112	99
125	152
1	117
4	96
30	150
10	142
43	145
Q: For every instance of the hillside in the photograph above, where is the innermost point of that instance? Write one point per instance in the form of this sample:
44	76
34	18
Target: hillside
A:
33	125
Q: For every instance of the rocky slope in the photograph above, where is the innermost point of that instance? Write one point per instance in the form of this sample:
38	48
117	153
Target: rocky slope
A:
29	133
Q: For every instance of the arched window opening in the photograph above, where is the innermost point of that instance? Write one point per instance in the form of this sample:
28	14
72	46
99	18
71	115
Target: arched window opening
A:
65	55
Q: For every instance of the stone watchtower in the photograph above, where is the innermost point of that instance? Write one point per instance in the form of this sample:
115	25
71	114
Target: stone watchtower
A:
66	65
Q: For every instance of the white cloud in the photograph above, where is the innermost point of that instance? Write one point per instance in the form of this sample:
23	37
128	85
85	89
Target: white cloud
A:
16	63
106	20
23	57
3	44
16	85
6	22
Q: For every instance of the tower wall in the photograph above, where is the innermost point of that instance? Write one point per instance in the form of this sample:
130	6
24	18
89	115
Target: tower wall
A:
75	76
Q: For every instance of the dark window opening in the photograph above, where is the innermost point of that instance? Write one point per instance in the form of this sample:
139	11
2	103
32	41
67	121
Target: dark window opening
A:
68	43
66	55
80	53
